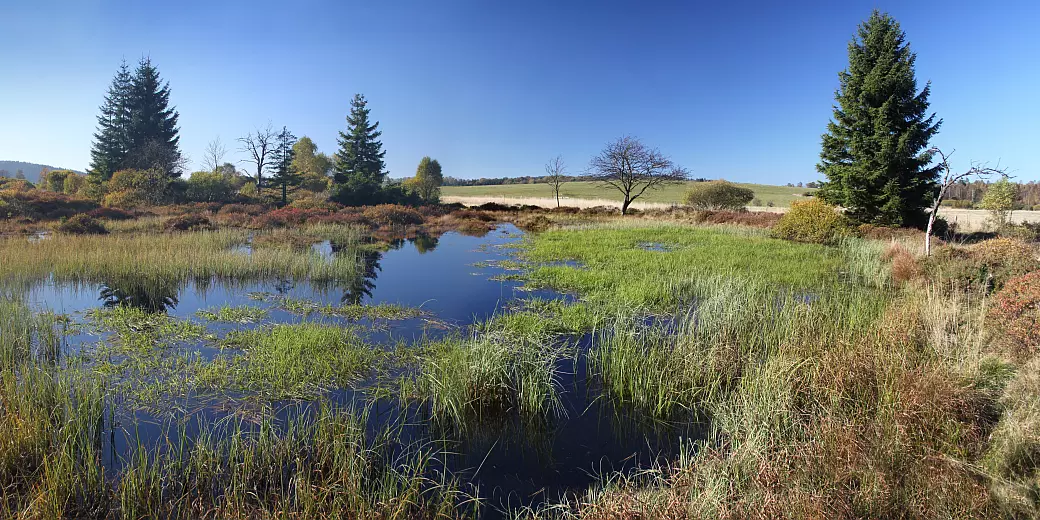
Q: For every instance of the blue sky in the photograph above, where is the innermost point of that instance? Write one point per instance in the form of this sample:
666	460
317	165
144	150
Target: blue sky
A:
735	90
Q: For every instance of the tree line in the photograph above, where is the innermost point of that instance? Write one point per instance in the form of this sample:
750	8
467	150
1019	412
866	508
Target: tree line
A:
136	157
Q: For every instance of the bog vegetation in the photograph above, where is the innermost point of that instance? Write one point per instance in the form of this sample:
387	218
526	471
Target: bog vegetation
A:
830	367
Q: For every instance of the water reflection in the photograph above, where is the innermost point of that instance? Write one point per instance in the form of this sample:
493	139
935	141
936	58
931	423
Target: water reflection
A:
148	295
424	243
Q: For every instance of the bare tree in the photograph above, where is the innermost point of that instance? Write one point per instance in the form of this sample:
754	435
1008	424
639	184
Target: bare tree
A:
260	146
950	178
555	175
215	152
631	167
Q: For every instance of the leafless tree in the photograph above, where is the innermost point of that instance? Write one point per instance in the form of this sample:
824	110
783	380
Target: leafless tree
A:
260	146
631	167
950	178
556	175
215	152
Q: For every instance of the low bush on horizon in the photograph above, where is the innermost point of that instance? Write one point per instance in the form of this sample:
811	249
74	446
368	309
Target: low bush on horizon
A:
717	195
393	215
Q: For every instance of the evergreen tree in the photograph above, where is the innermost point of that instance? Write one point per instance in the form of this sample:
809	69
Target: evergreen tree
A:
874	152
283	173
360	170
153	135
111	140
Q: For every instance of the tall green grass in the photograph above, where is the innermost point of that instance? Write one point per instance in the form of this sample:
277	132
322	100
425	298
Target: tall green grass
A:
172	257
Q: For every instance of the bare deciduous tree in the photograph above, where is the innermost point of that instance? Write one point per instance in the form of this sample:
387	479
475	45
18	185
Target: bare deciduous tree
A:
631	167
214	157
555	175
260	146
950	178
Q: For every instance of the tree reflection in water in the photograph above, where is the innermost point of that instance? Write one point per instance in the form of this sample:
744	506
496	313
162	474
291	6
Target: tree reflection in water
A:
361	287
148	295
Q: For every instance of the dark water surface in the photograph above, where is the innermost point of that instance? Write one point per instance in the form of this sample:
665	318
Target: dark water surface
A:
458	281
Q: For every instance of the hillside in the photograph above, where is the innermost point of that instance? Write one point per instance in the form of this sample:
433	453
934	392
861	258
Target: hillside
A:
31	170
765	194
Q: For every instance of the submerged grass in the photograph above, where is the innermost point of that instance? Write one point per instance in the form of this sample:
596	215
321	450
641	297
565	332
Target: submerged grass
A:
286	361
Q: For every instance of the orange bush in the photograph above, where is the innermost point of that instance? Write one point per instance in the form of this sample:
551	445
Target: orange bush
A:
1015	314
393	215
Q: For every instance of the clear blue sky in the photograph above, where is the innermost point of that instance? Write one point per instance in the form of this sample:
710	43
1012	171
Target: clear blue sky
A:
733	90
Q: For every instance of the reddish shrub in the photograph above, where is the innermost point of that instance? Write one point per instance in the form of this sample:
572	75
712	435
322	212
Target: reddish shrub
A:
904	265
188	223
289	217
1015	314
469	214
393	215
110	214
42	205
315	203
762	219
242	209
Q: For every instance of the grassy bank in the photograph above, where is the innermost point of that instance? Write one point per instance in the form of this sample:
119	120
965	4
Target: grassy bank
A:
830	392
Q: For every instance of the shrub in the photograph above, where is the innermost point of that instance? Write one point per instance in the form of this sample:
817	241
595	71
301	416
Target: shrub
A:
1015	314
762	219
315	202
987	265
242	209
188	223
812	221
393	215
717	195
211	187
110	214
123	199
40	204
147	186
81	224
288	216
904	265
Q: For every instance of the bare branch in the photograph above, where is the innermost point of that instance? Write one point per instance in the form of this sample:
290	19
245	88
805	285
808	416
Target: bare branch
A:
632	168
259	145
556	175
214	155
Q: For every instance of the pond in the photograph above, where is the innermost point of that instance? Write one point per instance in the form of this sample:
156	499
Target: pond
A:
451	282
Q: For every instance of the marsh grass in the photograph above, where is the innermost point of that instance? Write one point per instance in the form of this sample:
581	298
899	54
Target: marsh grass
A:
290	361
242	314
163	259
348	311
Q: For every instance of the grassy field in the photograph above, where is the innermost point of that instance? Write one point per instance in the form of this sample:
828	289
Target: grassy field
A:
766	194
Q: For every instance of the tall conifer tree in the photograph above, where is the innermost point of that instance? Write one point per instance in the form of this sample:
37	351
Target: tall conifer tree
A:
875	149
283	171
154	139
111	141
360	170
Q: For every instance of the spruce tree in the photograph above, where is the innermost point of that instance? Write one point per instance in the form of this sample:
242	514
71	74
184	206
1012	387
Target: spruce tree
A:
360	170
111	141
153	133
874	152
283	171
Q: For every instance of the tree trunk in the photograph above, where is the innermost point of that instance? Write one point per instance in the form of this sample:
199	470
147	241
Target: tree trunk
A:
624	206
557	198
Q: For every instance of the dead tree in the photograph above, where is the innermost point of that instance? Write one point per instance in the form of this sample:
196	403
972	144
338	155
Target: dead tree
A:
555	175
260	146
949	178
214	156
632	168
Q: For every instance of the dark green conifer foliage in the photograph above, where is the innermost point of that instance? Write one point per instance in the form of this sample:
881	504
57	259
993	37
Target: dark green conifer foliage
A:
283	174
875	149
154	139
360	171
111	141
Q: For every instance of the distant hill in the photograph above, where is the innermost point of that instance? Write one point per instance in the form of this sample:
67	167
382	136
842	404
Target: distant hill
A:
31	170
